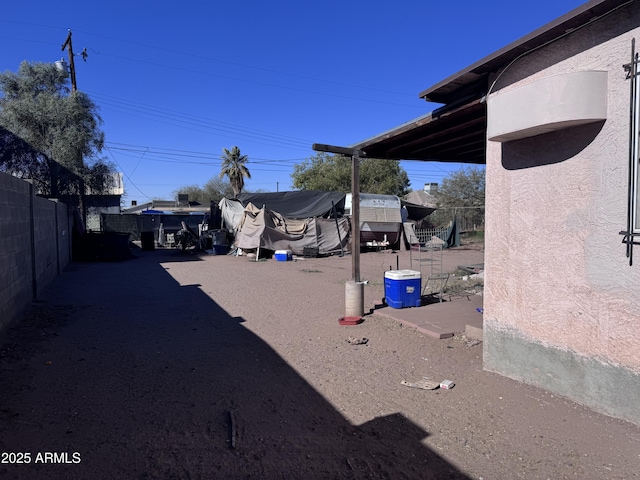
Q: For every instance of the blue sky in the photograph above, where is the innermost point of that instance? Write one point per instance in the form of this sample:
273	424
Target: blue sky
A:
176	82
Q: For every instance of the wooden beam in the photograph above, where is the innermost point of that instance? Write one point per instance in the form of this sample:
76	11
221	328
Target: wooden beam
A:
355	155
348	151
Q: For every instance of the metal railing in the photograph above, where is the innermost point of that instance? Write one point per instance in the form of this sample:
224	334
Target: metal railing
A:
425	236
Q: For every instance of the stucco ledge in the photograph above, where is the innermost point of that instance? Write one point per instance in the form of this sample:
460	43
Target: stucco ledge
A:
547	105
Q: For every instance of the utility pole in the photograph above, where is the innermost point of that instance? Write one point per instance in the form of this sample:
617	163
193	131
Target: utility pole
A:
69	47
74	87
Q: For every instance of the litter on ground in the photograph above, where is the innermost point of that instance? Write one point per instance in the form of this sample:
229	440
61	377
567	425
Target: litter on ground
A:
424	384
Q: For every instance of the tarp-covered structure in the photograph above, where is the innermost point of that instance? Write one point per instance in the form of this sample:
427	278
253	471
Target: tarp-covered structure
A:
297	204
264	228
232	213
417	212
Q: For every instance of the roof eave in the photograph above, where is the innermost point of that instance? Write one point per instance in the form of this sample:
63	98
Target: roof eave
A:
475	77
423	137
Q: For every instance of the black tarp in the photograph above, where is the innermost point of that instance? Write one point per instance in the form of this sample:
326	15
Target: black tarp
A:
417	212
296	204
136	224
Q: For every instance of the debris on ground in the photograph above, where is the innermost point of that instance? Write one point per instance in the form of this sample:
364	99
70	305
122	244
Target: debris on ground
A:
357	340
447	384
233	431
424	384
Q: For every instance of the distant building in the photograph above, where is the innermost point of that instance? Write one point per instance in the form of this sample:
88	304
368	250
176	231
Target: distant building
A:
107	202
431	188
422	198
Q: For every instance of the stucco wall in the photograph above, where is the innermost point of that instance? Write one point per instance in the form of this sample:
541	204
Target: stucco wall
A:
562	304
34	245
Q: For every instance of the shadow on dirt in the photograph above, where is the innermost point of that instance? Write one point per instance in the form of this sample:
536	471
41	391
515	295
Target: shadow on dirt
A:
146	378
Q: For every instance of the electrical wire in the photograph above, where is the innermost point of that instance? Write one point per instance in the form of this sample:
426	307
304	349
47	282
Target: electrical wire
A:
211	59
184	120
236	79
417	105
125	174
569	32
172	152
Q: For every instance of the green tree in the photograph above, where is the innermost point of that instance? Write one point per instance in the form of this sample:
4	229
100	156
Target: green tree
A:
385	177
323	171
461	193
234	168
37	106
333	173
214	190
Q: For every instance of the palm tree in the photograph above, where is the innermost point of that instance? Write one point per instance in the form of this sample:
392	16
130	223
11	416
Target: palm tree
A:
234	168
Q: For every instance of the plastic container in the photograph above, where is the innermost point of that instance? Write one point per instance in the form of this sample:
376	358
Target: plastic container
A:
402	288
220	249
219	237
147	241
283	255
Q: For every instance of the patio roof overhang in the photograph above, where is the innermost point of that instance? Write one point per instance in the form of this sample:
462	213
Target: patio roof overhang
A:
457	132
448	134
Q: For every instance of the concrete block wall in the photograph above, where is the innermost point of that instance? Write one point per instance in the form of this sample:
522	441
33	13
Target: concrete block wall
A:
64	225
16	285
45	254
35	245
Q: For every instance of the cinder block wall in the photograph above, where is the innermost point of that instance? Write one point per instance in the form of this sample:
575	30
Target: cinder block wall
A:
16	278
45	238
64	225
35	245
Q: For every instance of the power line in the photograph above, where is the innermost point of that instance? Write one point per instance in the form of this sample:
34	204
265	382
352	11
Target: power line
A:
419	105
242	79
187	121
125	174
170	152
163	111
212	59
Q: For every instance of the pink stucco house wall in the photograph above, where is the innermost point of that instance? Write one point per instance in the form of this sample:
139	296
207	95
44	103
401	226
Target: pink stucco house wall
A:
562	303
549	115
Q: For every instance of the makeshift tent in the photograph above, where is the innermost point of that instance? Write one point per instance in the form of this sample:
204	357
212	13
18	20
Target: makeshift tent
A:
297	204
263	228
232	212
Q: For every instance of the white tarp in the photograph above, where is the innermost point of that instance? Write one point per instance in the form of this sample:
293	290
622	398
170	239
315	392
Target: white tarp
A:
232	212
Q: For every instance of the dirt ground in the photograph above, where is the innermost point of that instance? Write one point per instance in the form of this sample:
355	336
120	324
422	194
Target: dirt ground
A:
174	365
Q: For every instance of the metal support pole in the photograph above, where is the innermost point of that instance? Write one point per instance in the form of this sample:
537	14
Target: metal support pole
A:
335	215
355	216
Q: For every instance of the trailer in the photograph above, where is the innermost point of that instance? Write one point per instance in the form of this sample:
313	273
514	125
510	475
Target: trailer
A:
380	219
